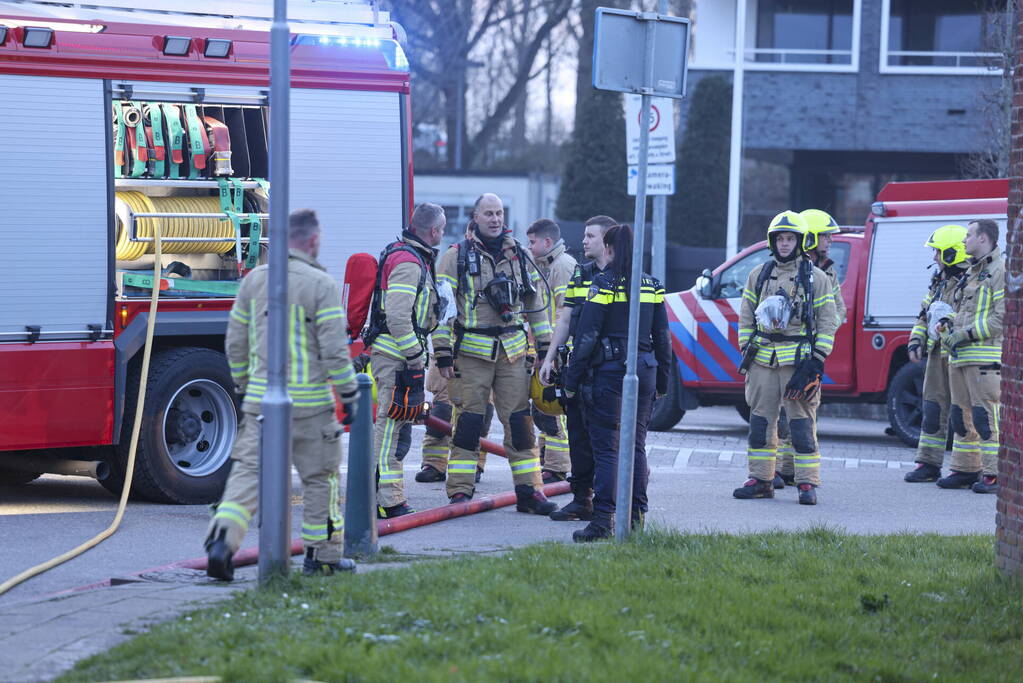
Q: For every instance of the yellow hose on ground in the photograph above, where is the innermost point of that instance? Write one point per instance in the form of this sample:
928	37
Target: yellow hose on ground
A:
128	203
130	472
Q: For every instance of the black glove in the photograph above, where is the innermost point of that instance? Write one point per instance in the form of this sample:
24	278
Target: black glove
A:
348	411
361	362
806	380
409	395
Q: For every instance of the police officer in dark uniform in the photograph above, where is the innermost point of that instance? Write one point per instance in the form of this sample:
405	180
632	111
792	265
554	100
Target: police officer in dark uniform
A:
596	371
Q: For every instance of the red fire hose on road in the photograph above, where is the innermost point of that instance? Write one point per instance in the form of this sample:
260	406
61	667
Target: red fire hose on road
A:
416	519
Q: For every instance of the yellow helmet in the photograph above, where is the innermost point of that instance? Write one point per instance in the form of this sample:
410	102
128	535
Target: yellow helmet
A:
948	240
544	398
787	221
817	223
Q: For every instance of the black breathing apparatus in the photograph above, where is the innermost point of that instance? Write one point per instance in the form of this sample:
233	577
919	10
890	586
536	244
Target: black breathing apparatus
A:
502	293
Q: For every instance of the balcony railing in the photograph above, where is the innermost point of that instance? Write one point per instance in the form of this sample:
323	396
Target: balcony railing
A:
971	61
797	56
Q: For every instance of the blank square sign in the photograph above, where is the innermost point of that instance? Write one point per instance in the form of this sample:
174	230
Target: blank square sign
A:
619	52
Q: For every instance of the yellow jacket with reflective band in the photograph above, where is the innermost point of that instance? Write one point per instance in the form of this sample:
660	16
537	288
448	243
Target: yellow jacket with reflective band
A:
980	306
474	311
785	276
318	359
558	267
402	300
943	287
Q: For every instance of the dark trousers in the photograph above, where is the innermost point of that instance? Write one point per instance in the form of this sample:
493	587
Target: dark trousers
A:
579	450
603	406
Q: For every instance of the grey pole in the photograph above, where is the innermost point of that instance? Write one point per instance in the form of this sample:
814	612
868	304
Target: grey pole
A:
360	501
630	386
659	248
459	114
275	447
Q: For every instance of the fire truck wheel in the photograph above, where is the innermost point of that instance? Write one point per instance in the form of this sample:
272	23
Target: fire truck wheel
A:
188	428
667	413
17	477
905	402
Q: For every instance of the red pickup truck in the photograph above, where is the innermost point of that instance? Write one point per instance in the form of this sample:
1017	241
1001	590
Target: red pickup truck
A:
884	271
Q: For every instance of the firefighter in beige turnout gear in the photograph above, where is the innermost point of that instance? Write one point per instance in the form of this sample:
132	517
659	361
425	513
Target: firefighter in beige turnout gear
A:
318	364
558	267
787	326
483	351
820	226
974	343
437	444
950	257
403	312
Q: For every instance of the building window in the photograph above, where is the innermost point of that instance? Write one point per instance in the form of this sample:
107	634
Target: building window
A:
804	32
949	36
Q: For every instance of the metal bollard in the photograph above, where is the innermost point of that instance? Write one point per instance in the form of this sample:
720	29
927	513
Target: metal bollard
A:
360	503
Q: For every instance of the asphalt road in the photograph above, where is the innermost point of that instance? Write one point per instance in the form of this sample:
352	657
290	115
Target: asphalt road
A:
694	468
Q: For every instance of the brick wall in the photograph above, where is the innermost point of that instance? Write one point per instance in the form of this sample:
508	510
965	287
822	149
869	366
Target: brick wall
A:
1009	518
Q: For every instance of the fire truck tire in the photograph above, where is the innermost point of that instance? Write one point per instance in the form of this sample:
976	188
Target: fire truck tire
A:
667	411
905	402
17	477
188	428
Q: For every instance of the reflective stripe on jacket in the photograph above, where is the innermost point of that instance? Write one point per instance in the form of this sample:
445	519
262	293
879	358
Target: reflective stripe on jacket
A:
318	359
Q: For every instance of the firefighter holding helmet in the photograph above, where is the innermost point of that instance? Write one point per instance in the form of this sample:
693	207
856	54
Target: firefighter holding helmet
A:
403	312
787	326
820	226
924	342
973	339
483	351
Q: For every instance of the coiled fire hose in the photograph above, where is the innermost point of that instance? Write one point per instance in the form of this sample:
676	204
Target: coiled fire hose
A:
136	428
129	203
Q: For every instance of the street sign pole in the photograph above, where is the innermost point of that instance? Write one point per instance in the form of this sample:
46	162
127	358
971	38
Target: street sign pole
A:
630	386
275	446
658	250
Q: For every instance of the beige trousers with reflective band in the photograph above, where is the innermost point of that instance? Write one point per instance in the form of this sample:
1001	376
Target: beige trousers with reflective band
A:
436	448
930	448
555	448
765	388
316	454
972	387
470	390
391	483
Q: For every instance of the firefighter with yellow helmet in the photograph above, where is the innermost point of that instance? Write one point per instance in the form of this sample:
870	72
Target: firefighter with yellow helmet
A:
924	342
820	226
787	326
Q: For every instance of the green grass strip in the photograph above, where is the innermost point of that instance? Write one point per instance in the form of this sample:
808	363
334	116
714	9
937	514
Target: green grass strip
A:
818	605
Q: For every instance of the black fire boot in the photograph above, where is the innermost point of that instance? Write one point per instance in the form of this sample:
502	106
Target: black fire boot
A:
595	531
755	488
789	479
532	501
779	481
580	509
924	472
459	498
479	474
552	477
313	567
429	474
398	510
638	520
219	558
959	480
807	494
987	484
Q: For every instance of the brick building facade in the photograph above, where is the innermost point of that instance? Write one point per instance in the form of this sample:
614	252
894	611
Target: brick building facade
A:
1009	517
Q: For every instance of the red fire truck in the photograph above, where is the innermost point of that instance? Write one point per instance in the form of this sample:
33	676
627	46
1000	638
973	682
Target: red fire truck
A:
115	115
884	271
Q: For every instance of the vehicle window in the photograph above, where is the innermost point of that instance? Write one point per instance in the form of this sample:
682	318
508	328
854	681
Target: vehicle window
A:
839	253
733	278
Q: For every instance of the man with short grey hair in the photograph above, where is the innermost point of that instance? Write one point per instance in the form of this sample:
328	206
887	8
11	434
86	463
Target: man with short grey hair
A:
318	365
403	312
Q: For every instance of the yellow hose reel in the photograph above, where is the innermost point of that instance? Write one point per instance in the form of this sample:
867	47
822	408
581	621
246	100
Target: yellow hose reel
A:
127	204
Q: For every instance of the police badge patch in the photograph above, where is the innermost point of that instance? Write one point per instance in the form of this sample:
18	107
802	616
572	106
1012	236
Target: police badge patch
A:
592	294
